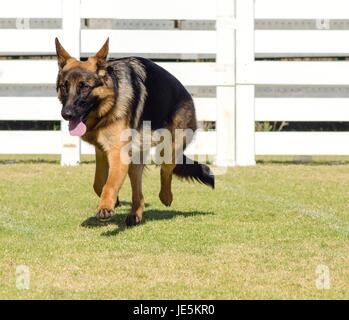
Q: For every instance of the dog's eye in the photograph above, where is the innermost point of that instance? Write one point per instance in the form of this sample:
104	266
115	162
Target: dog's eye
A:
83	86
65	87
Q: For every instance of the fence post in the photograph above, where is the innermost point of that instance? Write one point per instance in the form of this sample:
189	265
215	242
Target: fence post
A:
245	91
225	63
71	42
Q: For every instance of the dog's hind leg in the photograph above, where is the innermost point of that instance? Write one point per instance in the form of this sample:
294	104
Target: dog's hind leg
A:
182	128
182	124
135	173
168	169
165	194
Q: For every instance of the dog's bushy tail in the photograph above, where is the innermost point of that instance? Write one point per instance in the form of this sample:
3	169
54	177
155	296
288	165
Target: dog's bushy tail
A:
193	170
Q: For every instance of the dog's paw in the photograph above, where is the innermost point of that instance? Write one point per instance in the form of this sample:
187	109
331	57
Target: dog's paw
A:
132	220
104	214
166	198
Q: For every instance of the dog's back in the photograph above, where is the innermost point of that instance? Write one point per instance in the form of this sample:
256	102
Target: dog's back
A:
156	94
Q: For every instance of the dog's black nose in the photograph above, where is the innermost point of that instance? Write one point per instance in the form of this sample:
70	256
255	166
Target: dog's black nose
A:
67	114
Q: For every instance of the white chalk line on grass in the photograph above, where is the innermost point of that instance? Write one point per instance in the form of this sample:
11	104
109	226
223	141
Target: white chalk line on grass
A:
327	217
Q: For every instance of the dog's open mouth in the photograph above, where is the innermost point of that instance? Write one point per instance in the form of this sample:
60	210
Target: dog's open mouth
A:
77	127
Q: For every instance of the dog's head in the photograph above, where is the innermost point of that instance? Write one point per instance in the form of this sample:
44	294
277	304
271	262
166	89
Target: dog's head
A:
76	86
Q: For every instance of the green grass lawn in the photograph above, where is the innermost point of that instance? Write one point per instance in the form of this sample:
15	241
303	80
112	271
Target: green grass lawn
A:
259	235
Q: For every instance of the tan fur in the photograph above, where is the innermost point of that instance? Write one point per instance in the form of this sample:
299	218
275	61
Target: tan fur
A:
116	176
90	64
106	94
165	194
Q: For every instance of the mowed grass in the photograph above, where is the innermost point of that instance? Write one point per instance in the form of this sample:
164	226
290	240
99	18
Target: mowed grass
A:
259	235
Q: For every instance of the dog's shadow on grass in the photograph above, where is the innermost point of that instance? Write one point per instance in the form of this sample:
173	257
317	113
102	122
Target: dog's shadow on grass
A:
149	215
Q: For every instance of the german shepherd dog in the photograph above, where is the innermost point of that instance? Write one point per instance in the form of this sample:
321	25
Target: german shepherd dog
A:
101	98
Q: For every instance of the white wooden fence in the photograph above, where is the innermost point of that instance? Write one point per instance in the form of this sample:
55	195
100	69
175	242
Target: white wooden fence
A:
319	73
235	73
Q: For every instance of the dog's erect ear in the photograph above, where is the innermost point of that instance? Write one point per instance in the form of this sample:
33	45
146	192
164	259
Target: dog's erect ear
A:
62	55
102	54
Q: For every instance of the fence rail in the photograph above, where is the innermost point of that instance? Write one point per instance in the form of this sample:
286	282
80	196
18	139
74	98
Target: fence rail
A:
250	73
234	73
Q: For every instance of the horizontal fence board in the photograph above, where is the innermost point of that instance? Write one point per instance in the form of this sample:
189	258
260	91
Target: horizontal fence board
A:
31	9
206	109
150	41
45	72
289	42
28	42
267	143
295	73
301	9
30	108
150	9
30	142
204	143
302	143
201	73
28	71
302	109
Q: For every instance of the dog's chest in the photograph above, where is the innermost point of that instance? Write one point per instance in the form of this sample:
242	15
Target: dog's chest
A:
108	137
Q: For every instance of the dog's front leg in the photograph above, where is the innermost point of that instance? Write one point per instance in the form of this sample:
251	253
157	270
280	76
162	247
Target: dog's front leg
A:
101	173
116	175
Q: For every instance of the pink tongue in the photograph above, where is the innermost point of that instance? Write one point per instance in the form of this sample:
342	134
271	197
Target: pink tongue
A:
77	127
